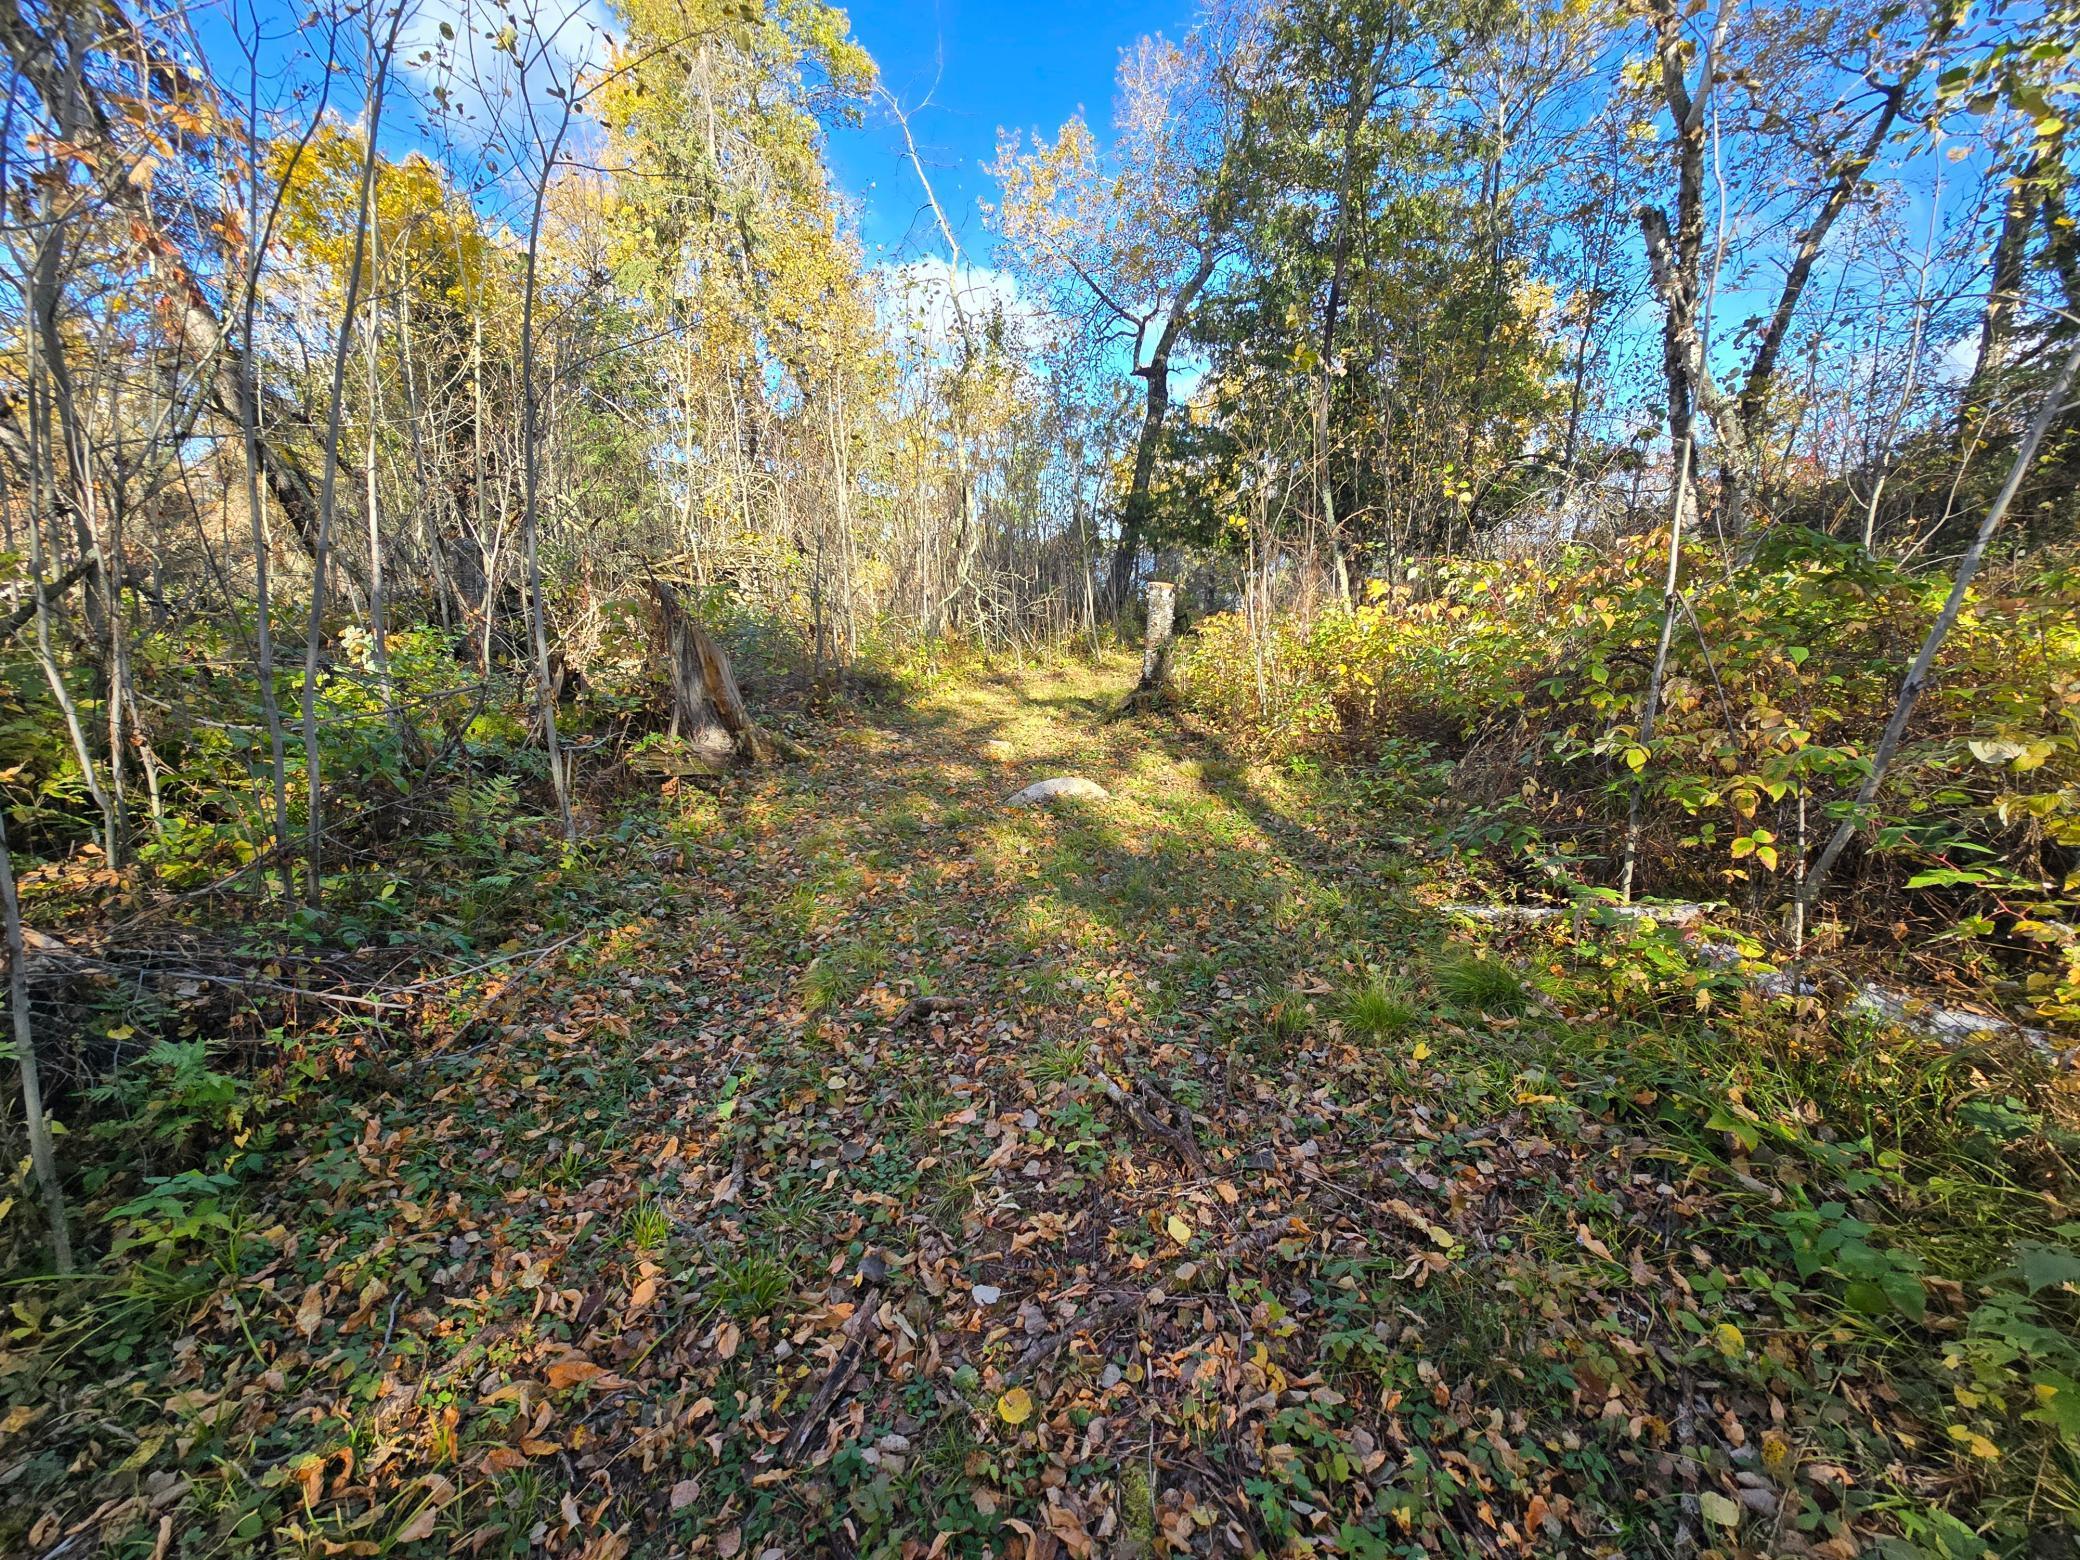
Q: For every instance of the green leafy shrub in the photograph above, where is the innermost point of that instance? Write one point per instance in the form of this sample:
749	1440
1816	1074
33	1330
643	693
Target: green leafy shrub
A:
2016	1398
1784	667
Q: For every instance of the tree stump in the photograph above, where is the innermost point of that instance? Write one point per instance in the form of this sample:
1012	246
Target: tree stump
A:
711	722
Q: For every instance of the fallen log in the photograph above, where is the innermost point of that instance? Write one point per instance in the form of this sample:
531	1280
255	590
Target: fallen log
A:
1681	912
674	762
1866	999
918	1009
1903	1010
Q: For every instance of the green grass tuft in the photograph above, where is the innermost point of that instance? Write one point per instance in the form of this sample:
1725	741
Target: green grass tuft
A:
750	1285
839	974
1378	1010
920	1110
1482	985
648	1227
1059	1062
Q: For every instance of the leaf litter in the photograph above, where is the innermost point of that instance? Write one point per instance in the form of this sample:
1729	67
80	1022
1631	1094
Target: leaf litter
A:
903	1177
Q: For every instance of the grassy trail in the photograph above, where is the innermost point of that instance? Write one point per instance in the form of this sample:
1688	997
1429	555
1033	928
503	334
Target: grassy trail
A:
1383	1247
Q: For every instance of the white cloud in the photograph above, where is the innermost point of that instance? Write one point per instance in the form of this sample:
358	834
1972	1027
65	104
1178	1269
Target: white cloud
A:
916	302
465	58
1960	358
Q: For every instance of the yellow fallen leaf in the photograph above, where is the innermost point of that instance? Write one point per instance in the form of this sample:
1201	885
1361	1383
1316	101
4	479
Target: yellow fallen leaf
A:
1776	1451
1180	1231
1727	1339
1015	1407
1975	1443
1422	1051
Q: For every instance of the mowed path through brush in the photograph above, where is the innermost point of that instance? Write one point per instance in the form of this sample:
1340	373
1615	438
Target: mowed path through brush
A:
873	1169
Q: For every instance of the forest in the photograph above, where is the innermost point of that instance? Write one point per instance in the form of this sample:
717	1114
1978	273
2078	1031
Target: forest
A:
1349	825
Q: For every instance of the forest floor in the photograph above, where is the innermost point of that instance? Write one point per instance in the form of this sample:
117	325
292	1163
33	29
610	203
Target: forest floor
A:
1227	1200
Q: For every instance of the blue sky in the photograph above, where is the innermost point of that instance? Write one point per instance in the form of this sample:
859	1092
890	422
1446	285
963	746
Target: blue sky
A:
975	65
962	68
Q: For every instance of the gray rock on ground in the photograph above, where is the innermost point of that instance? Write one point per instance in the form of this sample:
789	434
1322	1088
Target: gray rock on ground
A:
1041	792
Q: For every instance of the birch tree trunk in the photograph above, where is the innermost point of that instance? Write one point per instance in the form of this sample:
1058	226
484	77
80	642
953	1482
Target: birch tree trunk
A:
246	403
1155	648
1650	710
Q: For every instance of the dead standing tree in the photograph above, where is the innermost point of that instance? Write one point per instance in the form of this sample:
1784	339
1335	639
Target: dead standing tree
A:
711	725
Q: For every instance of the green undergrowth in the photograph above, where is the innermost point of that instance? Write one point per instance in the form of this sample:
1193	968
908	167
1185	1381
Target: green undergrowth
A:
1525	684
1550	1241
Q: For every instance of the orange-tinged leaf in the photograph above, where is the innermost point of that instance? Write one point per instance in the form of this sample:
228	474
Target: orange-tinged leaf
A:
569	1373
1591	1244
1015	1407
